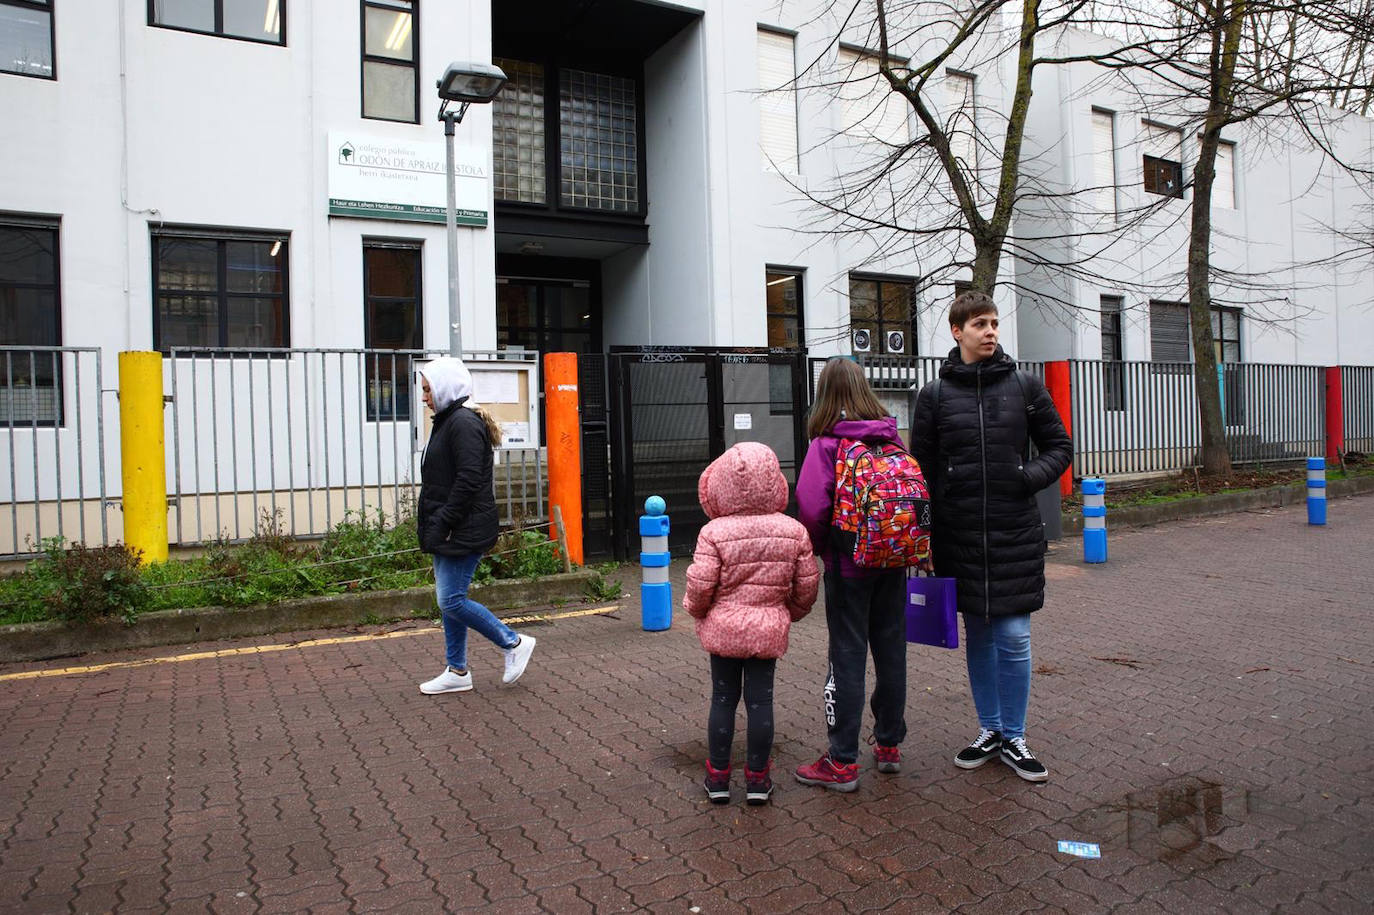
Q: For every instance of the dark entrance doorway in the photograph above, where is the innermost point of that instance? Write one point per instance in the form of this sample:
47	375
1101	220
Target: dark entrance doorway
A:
675	409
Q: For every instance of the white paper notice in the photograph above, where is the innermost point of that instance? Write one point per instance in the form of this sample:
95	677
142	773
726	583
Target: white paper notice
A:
744	420
496	387
515	435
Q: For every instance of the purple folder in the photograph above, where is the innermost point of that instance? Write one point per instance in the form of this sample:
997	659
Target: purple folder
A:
931	615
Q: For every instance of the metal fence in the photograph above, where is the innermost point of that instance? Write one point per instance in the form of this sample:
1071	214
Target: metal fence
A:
53	446
1357	395
304	438
1142	417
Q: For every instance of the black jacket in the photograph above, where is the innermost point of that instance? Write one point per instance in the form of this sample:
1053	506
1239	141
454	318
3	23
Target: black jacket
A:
457	511
971	447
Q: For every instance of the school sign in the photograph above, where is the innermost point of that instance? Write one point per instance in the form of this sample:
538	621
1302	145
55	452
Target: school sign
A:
377	178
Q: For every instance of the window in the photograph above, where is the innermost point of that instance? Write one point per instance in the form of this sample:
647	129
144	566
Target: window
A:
1169	334
1113	372
30	315
869	108
518	133
778	101
26	38
1224	184
962	124
783	294
1162	160
392	319
254	20
1226	333
390	61
1104	162
221	289
598	141
882	314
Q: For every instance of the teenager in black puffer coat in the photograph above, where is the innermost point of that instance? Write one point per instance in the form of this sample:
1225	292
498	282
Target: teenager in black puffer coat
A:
970	432
457	522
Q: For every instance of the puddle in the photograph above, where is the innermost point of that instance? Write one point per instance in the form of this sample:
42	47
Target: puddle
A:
1188	822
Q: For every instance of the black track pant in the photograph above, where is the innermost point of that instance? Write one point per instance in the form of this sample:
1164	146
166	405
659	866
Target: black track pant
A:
865	615
727	675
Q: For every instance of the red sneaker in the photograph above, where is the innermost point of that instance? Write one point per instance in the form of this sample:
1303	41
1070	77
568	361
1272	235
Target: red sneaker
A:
827	773
717	783
758	785
887	759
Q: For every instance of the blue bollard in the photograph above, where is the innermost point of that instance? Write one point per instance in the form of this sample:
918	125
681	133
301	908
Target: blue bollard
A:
1316	490
1094	520
656	593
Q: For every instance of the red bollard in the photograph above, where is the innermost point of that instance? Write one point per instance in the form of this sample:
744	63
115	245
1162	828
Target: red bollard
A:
1057	381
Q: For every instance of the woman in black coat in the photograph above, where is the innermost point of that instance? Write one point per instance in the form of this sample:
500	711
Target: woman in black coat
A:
456	521
971	430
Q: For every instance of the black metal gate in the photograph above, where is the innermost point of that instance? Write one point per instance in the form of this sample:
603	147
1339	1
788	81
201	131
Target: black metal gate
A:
597	531
675	409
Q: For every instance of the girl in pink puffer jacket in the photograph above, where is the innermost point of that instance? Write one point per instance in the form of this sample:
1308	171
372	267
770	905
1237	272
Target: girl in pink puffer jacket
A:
753	574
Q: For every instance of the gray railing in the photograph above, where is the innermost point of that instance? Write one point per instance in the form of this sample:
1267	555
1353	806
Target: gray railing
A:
308	437
52	447
1357	401
1142	417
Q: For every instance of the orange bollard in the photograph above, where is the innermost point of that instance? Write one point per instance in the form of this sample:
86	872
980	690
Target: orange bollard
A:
1057	381
565	446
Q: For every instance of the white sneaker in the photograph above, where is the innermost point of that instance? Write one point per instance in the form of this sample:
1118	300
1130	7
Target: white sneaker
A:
517	658
447	682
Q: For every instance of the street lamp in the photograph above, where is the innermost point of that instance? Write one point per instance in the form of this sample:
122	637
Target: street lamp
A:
467	84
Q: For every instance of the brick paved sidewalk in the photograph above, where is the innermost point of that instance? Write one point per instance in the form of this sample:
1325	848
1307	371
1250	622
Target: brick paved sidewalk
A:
1203	702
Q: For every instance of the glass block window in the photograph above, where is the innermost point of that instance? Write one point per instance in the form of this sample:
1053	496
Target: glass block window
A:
599	150
518	133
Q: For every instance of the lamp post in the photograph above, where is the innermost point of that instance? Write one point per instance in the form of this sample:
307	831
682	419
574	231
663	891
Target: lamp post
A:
466	84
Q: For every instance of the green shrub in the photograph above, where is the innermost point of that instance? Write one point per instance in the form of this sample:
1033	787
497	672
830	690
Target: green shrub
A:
520	554
80	583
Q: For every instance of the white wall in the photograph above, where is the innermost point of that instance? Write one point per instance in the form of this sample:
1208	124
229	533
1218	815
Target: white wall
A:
1286	194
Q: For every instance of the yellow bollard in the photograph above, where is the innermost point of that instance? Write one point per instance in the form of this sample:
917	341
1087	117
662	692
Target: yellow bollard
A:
142	454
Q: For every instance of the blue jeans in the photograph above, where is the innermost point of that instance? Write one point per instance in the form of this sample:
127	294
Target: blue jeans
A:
452	575
999	670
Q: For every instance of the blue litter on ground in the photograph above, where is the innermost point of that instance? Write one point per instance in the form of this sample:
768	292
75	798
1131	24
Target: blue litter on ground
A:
1081	849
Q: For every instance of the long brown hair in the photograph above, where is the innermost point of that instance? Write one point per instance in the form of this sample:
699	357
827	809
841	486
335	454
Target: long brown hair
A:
842	392
493	430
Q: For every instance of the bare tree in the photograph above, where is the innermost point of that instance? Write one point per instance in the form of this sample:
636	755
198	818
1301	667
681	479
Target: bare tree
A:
1213	64
1222	63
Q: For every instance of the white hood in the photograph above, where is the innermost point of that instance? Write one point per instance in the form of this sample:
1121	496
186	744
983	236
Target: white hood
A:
449	380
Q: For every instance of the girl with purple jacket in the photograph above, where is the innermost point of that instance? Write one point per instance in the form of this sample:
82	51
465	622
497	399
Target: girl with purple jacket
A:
864	608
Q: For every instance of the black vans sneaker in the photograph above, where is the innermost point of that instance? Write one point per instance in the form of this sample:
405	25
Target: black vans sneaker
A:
980	751
1016	754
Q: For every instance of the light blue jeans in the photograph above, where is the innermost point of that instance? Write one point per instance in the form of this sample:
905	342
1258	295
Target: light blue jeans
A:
452	575
999	670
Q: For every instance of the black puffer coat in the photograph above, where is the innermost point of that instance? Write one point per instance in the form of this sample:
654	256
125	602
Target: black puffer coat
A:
971	447
457	511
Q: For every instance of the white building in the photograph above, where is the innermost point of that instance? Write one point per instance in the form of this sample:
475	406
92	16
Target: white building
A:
268	173
1284	295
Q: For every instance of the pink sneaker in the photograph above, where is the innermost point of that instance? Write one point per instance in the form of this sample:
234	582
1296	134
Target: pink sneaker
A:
827	773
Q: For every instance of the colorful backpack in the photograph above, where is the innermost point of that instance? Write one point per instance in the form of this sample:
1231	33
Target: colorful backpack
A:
881	505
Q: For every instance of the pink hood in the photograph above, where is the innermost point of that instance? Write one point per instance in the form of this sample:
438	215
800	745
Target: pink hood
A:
746	480
753	572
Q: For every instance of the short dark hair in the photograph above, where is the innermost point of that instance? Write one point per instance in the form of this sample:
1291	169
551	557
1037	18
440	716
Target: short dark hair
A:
970	305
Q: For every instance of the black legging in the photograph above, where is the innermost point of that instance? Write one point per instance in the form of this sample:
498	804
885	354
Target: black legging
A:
726	676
